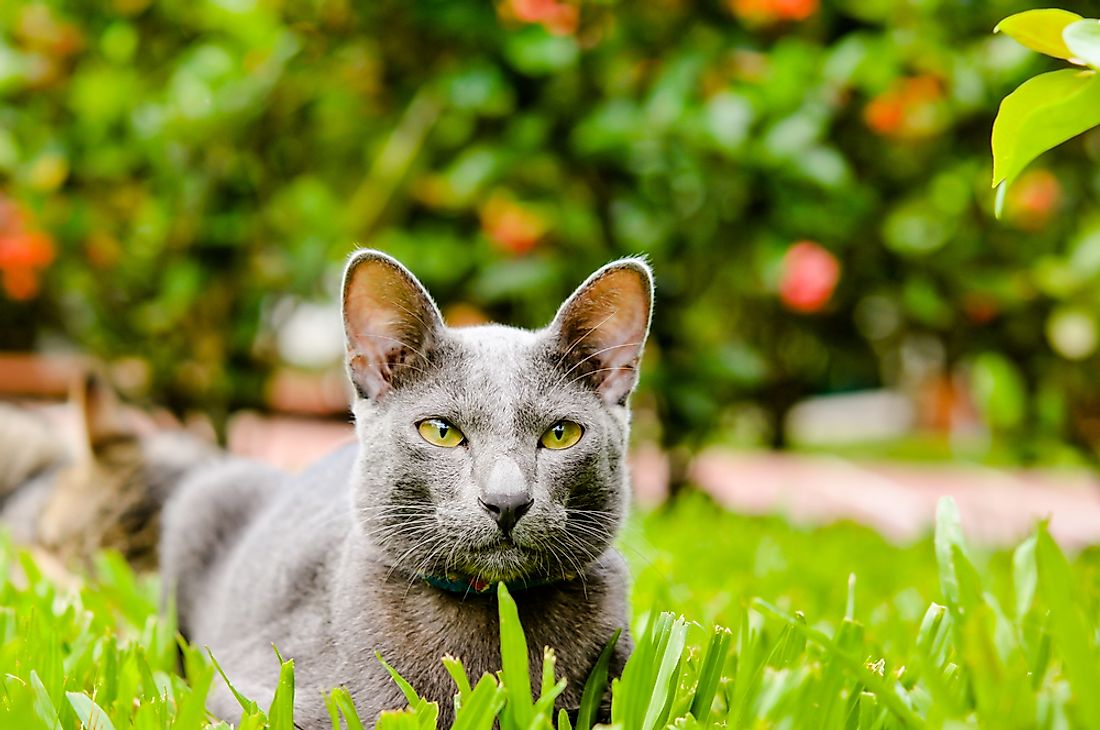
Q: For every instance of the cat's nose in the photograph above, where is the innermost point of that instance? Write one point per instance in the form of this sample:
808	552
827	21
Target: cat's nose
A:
505	494
506	508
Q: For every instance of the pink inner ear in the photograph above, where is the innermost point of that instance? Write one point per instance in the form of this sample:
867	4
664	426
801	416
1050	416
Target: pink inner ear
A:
387	322
612	317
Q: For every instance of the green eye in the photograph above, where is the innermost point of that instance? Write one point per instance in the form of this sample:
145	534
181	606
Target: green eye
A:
562	435
438	432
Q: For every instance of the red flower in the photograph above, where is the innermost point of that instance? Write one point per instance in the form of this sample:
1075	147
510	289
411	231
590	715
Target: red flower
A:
1033	199
557	17
764	12
23	252
810	274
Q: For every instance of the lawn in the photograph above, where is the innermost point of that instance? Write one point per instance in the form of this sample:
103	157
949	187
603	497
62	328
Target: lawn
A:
826	627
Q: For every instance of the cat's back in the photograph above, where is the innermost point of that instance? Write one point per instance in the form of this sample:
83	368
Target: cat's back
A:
28	446
281	533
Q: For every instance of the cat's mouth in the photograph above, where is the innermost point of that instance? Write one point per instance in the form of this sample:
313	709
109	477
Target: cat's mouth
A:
502	559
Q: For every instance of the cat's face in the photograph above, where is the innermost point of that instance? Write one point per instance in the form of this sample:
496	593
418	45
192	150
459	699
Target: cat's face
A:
492	453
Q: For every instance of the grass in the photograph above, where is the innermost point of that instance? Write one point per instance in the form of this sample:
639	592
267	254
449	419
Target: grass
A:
786	627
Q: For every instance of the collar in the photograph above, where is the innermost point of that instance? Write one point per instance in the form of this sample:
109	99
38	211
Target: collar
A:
457	584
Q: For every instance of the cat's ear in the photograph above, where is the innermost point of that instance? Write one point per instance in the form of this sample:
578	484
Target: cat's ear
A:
601	329
103	419
390	323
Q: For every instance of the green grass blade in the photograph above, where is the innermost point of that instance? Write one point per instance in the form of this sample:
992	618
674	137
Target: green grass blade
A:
398	720
711	673
669	656
596	685
339	700
550	690
246	704
1025	575
457	671
480	708
1076	643
281	713
887	692
406	689
91	715
44	709
515	672
948	534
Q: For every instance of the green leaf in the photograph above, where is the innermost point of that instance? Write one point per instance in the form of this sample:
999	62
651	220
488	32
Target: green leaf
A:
454	668
669	654
1071	631
406	688
551	689
91	715
340	700
43	705
948	534
281	712
1083	39
1040	30
596	685
480	709
1025	578
398	720
1042	113
514	666
711	673
249	706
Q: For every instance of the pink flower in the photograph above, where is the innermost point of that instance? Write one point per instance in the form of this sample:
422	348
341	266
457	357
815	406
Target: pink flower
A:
810	274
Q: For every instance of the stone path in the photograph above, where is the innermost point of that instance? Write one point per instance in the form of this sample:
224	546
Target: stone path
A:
899	500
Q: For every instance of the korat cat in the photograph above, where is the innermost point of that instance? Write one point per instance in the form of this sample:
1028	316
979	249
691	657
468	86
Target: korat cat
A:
484	454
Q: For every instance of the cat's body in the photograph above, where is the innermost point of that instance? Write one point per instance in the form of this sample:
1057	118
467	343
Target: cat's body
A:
330	602
485	454
105	491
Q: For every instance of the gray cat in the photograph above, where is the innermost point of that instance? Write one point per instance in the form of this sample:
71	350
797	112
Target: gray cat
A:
484	454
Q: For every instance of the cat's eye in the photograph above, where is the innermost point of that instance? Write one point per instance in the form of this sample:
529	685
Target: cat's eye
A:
562	435
439	432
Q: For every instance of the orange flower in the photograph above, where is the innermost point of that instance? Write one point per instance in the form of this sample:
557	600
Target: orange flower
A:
766	12
512	226
810	274
911	107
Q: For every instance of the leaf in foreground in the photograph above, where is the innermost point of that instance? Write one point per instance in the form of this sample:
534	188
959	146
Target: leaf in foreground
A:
1042	113
1040	30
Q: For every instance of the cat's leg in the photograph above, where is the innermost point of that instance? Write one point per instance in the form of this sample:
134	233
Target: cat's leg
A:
202	522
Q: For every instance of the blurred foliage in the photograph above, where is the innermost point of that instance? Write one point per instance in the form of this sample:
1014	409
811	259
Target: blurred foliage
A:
810	181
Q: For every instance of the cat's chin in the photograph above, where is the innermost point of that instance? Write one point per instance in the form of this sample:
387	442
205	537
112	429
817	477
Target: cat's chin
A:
503	560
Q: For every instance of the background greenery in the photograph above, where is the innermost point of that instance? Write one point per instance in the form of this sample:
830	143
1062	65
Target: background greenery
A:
811	182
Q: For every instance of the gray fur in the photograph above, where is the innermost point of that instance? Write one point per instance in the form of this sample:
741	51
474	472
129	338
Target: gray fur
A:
328	565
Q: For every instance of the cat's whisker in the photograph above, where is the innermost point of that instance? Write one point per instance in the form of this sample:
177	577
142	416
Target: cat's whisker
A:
600	370
597	353
587	333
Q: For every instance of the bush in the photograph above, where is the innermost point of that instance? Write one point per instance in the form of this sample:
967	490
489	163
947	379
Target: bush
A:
811	182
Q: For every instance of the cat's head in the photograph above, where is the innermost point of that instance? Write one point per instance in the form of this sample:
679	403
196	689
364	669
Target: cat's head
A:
492	453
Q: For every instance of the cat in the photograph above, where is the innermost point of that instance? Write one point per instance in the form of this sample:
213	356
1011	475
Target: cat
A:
107	492
483	454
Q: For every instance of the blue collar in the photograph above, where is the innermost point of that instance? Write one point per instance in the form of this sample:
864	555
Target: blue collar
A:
457	584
